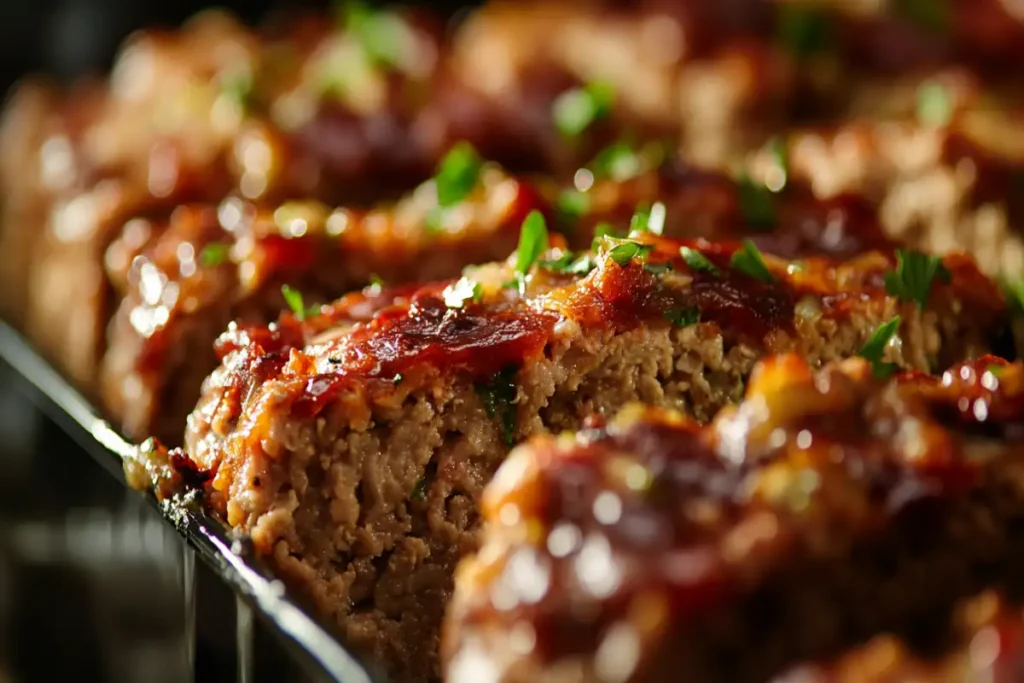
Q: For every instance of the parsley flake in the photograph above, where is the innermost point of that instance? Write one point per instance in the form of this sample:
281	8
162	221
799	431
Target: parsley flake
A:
683	317
875	347
1015	295
381	34
376	281
293	298
749	261
419	491
237	86
756	203
626	251
602	230
569	264
697	261
499	397
658	268
533	241
621	161
466	289
913	277
575	110
457	174
214	254
648	219
398	379
934	104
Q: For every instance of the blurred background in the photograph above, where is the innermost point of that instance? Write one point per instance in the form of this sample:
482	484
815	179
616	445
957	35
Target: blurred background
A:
91	577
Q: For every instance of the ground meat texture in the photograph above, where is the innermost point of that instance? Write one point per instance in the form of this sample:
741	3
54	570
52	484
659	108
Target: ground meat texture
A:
940	188
987	645
823	509
212	265
354	455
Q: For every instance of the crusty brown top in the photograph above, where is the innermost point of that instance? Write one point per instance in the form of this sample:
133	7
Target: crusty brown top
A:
651	520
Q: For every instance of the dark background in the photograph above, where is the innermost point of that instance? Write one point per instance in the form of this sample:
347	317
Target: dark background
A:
91	577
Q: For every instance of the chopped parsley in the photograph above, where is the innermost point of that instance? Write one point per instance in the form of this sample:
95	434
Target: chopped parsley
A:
398	379
533	241
621	161
569	264
293	298
381	34
648	219
419	491
756	203
466	289
457	174
934	104
499	397
602	230
780	156
698	261
913	277
803	31
575	110
658	268
376	281
748	260
874	349
626	251
683	317
214	254
931	15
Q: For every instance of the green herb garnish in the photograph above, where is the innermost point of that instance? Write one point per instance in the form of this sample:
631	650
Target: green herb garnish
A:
913	277
780	156
419	491
214	254
457	174
698	261
398	379
569	264
626	251
293	298
658	268
683	317
748	260
602	230
648	219
757	203
381	34
499	397
1015	297
934	104
803	31
237	86
575	110
376	281
466	289
533	241
874	349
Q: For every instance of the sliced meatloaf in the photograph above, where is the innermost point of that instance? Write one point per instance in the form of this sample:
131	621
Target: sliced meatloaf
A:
940	187
352	447
987	645
823	509
211	265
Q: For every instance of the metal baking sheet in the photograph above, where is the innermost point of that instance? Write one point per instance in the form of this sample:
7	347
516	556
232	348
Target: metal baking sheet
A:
314	648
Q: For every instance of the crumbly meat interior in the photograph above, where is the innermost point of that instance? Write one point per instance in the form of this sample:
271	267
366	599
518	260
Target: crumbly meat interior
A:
354	452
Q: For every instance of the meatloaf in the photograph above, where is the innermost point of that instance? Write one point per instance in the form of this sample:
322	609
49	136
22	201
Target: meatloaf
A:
940	186
211	265
352	447
987	645
823	509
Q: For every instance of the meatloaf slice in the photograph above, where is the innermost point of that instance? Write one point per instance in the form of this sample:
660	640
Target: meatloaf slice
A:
988	645
212	265
353	454
939	187
823	509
